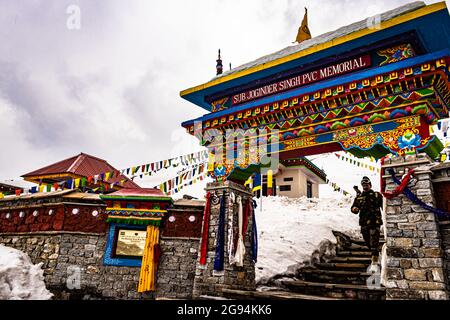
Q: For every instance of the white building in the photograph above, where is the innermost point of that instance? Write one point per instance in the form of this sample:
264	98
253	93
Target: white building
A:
296	178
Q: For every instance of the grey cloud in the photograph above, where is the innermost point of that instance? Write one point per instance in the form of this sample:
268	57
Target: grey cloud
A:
112	87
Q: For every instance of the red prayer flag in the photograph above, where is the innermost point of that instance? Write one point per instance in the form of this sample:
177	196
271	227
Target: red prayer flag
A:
18	192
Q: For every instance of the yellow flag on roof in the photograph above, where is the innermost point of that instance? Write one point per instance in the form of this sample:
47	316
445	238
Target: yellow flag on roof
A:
303	31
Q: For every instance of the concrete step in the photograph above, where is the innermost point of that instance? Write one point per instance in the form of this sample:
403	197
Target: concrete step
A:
272	295
350	266
354	253
361	242
351	259
333	290
333	276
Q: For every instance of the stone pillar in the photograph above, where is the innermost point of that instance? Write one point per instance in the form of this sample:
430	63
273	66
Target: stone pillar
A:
208	281
414	265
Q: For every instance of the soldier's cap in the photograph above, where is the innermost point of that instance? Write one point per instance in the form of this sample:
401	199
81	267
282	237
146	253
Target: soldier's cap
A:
365	180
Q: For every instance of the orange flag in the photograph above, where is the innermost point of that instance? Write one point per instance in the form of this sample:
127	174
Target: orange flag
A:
303	31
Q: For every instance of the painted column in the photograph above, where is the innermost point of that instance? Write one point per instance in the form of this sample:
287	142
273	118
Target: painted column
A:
415	260
207	281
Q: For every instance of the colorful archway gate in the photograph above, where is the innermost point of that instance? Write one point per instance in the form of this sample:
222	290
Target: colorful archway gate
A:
369	91
387	113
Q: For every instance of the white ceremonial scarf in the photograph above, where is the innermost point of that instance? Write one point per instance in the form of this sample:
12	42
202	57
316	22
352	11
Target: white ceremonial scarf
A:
230	233
240	250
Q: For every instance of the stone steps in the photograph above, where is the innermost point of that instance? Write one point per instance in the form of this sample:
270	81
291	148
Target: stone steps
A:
339	291
334	276
272	295
347	253
361	242
350	259
347	266
343	276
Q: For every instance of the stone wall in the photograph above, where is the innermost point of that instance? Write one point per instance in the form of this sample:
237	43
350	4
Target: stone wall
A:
445	234
441	185
415	259
59	239
208	281
76	256
176	269
62	254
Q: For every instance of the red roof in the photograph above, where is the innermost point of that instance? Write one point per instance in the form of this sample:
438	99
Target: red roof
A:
82	165
141	192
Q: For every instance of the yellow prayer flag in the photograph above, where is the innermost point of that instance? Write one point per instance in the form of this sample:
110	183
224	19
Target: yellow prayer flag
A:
2	195
147	278
107	176
303	31
41	188
210	162
269	179
77	183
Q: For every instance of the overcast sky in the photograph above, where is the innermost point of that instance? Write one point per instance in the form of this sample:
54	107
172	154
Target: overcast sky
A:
111	88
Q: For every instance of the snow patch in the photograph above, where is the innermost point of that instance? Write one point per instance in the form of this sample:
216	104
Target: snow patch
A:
20	279
293	232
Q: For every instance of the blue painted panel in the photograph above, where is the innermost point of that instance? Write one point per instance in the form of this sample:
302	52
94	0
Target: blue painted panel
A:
377	127
109	259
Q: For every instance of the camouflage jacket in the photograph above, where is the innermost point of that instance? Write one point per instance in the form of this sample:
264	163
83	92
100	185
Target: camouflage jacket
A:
369	204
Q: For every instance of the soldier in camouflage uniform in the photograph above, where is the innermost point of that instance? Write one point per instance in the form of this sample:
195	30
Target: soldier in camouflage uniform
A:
368	204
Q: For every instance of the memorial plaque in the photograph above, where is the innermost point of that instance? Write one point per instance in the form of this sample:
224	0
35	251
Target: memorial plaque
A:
130	242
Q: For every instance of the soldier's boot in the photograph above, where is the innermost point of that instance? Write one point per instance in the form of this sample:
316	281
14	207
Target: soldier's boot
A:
374	264
374	259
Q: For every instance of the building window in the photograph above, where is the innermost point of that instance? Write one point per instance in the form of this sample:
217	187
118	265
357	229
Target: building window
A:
288	179
285	188
309	191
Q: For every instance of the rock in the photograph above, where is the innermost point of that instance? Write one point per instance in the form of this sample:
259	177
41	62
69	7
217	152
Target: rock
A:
438	295
402	242
426	285
430	262
438	275
414	274
427	226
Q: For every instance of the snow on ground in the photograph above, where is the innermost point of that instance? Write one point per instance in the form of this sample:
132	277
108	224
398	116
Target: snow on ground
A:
19	278
289	230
